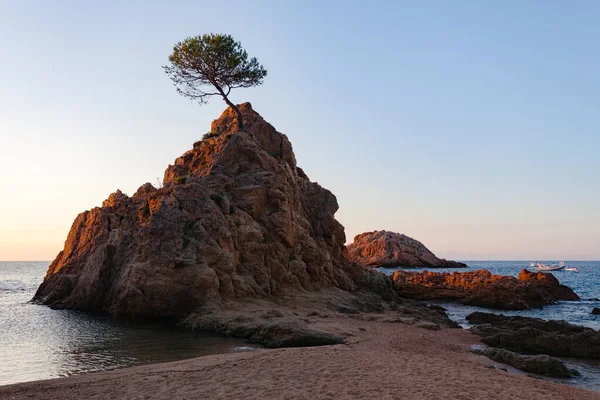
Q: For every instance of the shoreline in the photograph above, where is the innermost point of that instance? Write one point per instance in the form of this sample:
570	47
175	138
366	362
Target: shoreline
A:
382	358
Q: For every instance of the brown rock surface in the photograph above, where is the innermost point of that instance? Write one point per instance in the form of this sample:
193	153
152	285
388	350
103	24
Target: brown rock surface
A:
537	364
482	288
390	249
549	283
236	219
534	335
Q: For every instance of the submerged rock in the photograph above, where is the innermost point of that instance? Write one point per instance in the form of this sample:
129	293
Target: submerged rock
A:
534	335
484	289
390	249
236	219
537	364
596	311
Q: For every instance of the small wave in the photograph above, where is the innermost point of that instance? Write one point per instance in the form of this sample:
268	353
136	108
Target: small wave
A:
15	286
245	348
478	347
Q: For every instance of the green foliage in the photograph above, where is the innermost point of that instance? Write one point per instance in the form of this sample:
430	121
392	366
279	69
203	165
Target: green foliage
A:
209	135
215	61
180	180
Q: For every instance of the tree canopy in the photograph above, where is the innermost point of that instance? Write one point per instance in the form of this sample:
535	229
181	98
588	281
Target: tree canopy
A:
213	64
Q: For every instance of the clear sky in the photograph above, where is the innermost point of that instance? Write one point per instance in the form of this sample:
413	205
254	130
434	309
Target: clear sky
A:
472	126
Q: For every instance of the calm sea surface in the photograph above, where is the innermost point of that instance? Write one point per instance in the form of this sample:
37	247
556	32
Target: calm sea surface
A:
37	342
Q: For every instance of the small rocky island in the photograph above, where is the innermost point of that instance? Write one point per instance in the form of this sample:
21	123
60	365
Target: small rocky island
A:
390	249
237	238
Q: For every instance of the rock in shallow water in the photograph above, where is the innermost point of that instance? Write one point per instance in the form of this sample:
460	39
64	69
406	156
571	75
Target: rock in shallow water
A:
482	288
537	364
534	335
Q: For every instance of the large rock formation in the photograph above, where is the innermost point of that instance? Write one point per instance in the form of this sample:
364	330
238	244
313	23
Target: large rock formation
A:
390	249
236	219
482	288
534	335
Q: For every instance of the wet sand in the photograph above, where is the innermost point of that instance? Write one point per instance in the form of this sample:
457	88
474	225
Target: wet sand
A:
382	360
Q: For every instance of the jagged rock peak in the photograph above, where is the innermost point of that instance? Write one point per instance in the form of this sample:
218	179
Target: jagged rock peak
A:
220	150
235	219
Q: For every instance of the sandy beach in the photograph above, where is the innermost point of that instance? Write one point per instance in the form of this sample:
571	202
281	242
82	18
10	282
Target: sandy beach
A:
381	360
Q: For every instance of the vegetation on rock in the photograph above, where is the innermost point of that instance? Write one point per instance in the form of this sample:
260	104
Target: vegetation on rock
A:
209	135
201	64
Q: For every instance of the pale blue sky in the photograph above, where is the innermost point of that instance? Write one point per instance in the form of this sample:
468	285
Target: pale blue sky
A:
472	126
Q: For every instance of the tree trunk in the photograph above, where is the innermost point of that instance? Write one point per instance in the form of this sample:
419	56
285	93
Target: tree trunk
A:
240	118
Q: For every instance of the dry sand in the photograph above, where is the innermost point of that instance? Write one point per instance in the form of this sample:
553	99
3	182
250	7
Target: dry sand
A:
381	360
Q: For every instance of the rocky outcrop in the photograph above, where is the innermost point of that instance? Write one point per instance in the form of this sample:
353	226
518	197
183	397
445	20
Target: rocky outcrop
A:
272	329
236	219
390	249
534	335
537	364
596	311
482	288
546	282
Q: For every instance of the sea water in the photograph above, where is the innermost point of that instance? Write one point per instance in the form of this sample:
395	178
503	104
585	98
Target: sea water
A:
37	342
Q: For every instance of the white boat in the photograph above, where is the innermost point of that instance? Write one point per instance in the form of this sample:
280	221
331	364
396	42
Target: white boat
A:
553	267
573	269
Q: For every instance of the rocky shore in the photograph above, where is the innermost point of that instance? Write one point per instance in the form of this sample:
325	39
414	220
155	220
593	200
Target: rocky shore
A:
537	364
534	335
536	340
484	289
385	357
